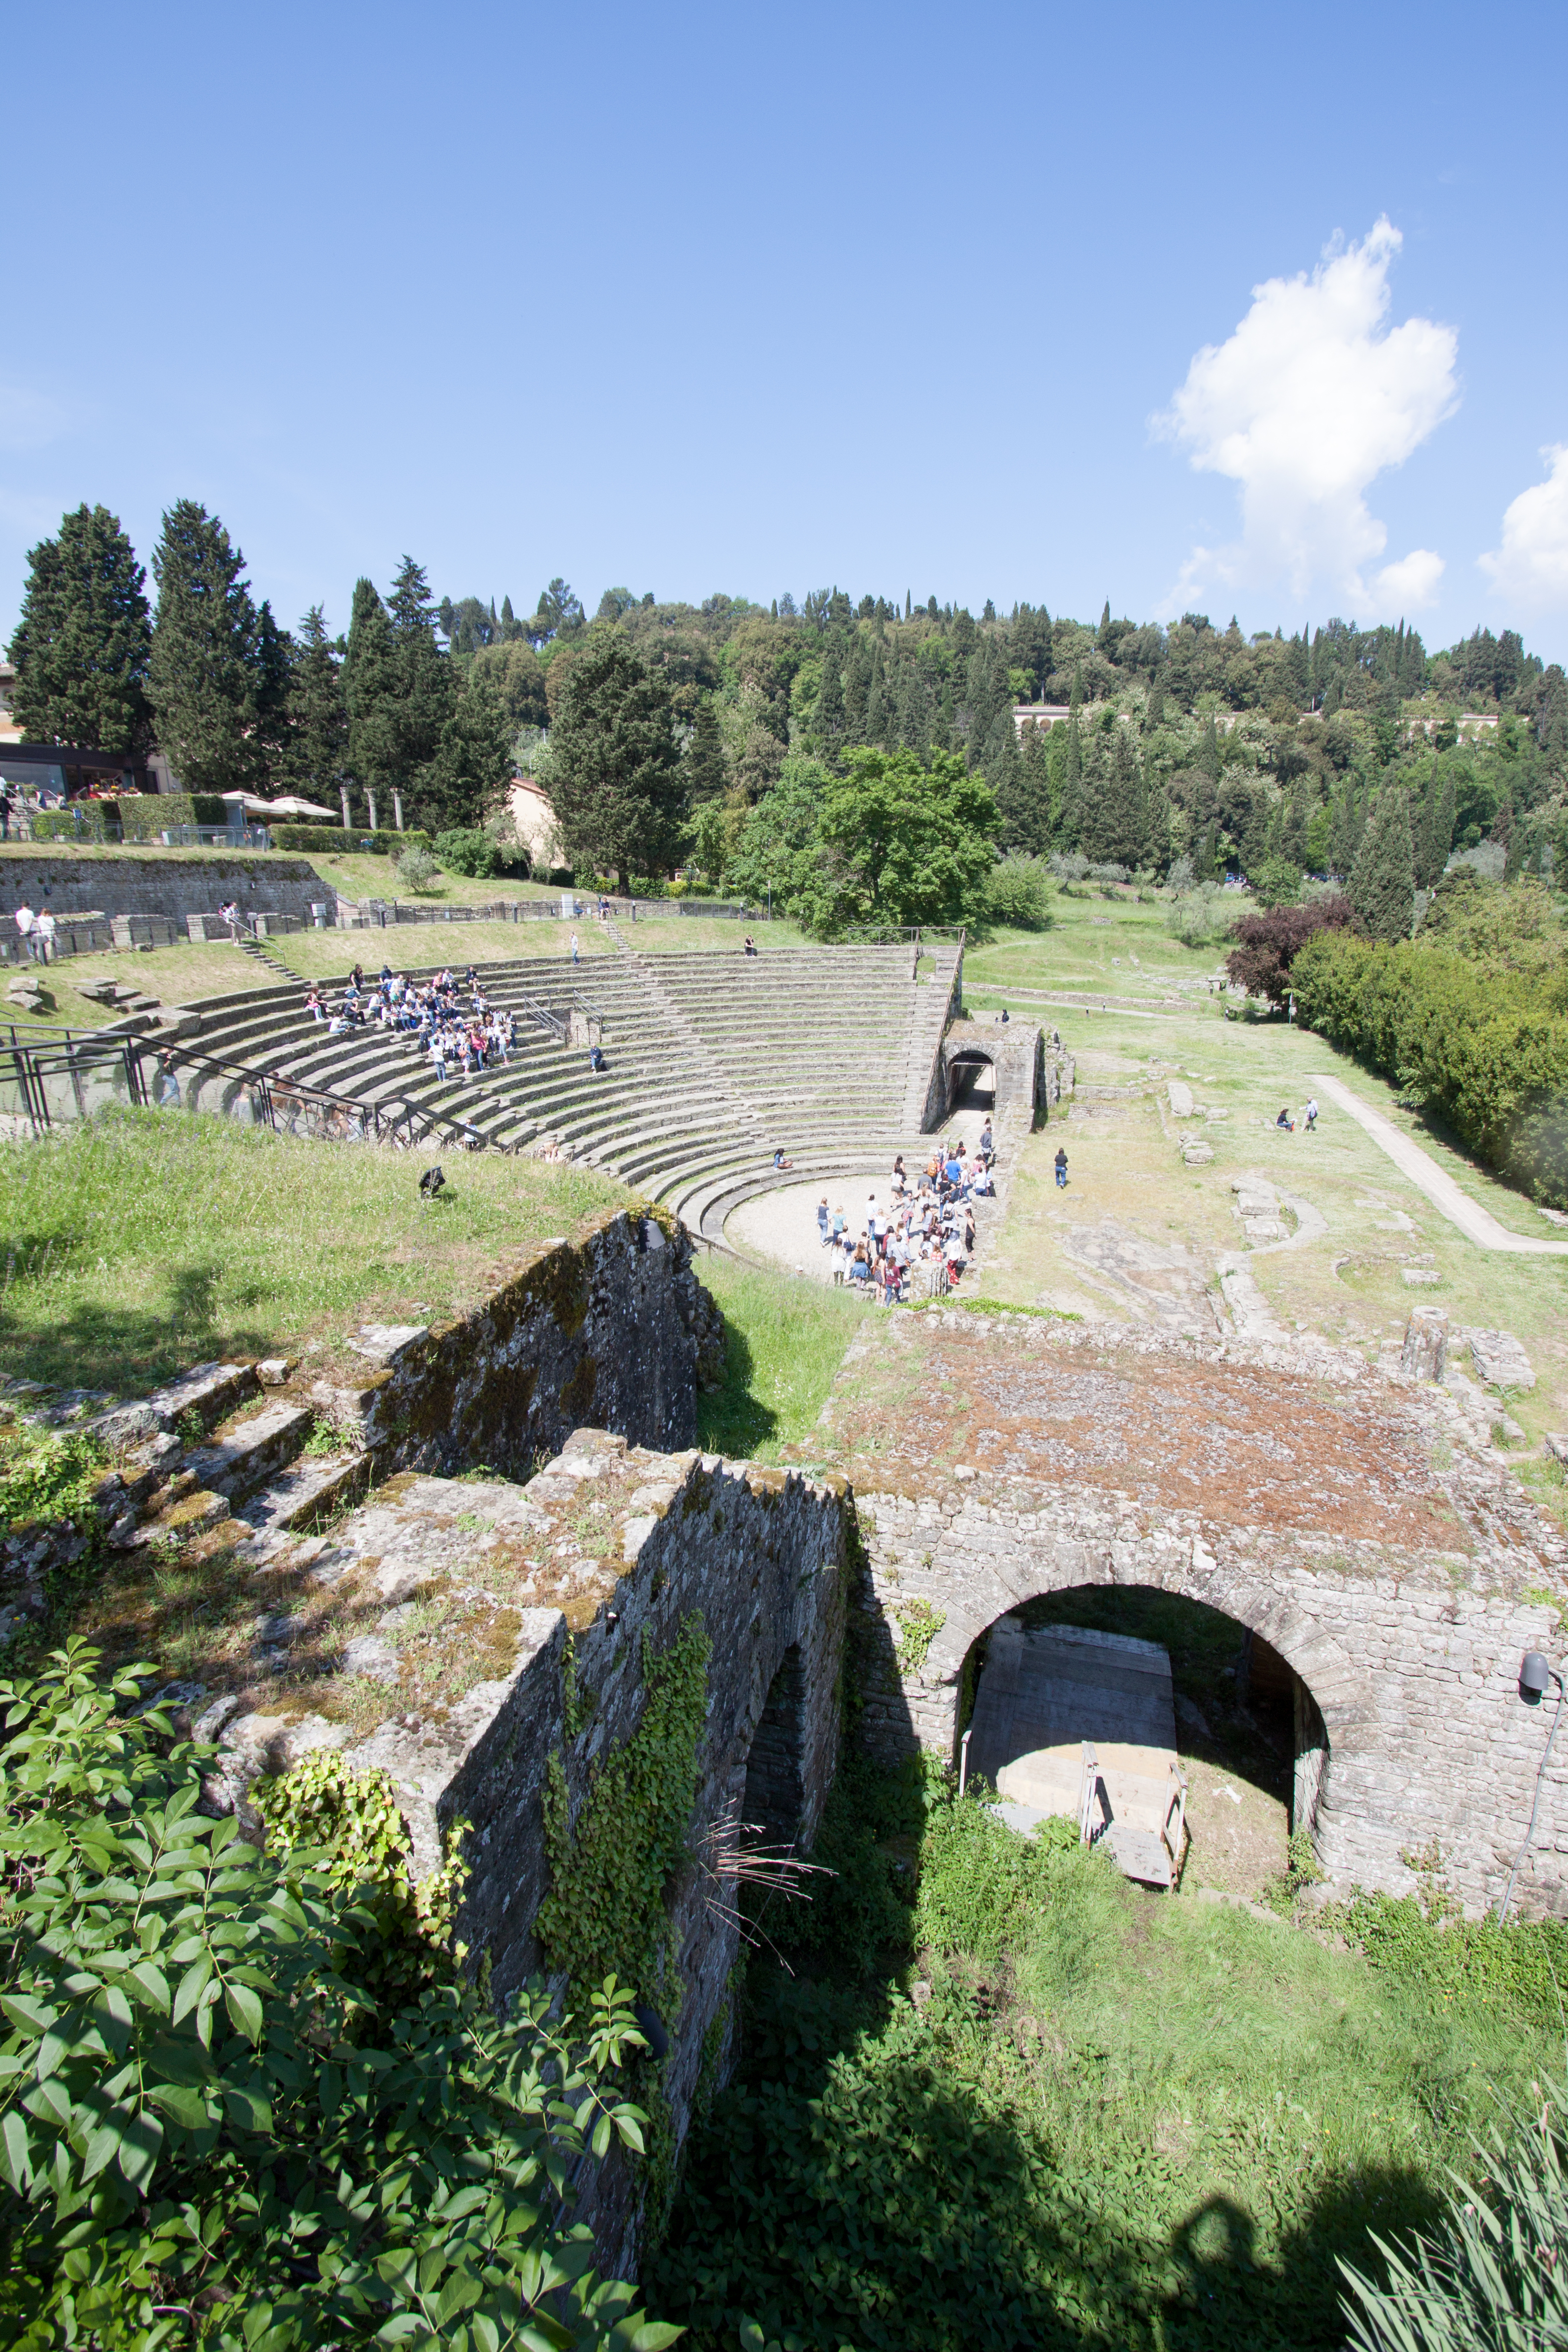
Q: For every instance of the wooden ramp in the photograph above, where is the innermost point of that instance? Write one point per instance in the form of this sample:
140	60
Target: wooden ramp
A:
1082	1725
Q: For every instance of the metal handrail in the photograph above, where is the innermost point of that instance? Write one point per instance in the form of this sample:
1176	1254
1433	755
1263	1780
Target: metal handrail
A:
401	1124
870	934
540	1015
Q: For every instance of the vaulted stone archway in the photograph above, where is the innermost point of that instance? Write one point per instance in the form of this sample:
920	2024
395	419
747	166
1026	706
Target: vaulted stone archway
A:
1337	1513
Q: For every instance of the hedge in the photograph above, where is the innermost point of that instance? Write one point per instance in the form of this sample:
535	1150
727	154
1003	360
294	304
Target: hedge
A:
144	815
1479	1050
61	824
332	841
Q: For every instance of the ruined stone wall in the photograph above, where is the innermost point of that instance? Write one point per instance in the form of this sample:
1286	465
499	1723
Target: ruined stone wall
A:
1010	1461
162	882
613	1548
603	1329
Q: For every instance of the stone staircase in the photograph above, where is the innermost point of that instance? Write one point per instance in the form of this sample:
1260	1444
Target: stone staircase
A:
714	1061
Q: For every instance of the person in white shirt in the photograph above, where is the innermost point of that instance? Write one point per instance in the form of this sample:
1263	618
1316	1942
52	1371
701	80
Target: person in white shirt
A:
44	933
24	926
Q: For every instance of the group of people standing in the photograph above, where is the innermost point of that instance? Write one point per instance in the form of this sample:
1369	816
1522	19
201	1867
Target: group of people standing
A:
928	1221
37	932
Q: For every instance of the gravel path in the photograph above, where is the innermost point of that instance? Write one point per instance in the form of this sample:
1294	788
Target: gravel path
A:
1476	1223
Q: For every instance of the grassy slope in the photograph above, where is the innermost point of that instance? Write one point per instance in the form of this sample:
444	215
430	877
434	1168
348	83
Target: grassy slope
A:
146	1242
786	1337
1127	1167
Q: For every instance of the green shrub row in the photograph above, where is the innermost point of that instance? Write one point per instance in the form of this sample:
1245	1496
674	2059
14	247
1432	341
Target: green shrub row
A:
1478	1049
332	841
61	825
144	815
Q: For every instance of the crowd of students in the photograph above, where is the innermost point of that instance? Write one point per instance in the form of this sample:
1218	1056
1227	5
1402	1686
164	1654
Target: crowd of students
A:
929	1222
431	1016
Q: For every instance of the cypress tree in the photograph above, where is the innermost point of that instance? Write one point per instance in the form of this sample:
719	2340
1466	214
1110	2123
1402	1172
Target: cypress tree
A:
1117	818
1103	636
828	721
878	707
472	759
1208	752
370	691
82	644
857	687
1072	808
424	693
1383	883
707	770
201	678
1028	820
272	736
914	708
1156	712
615	774
319	721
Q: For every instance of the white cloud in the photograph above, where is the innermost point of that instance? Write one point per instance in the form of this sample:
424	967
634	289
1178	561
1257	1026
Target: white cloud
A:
1304	406
1530	567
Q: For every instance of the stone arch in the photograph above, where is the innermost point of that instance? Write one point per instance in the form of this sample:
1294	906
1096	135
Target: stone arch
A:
774	1796
1344	1773
1311	1745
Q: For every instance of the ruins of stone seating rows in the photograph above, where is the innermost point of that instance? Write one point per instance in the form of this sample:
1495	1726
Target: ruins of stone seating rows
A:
714	1062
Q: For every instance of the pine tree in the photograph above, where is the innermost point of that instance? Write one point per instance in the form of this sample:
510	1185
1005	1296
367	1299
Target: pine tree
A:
616	782
1383	884
83	641
707	770
319	721
202	677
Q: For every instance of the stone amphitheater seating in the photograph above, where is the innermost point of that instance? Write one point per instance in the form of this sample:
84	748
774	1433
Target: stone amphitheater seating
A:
714	1060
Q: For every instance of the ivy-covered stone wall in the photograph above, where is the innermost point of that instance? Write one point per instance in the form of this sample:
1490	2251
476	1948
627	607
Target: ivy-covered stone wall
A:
578	1668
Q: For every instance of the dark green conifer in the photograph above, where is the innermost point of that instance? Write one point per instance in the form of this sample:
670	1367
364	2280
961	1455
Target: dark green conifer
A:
616	781
707	770
201	676
370	686
319	720
857	687
272	733
1382	883
827	724
83	642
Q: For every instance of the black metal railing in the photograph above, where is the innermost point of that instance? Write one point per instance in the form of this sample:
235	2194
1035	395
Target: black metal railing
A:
74	1078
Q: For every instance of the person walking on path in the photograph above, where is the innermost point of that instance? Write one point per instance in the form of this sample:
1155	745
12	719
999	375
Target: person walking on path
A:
24	930
6	805
44	933
574	947
1311	1114
1061	1165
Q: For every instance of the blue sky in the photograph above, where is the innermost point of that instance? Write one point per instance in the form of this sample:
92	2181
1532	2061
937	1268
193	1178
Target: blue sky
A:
702	297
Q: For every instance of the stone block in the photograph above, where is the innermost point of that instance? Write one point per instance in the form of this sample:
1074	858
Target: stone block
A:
1500	1360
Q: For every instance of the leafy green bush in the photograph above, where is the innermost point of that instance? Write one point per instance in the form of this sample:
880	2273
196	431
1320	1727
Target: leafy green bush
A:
468	850
1491	2273
211	2131
332	841
82	821
981	1884
45	1479
1488	1050
144	815
1018	891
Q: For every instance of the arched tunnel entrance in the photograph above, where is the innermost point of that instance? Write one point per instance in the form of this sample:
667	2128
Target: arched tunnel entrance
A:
972	1081
1131	1667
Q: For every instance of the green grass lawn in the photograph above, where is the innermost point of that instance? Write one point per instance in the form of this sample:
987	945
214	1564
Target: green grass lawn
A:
146	1242
787	1339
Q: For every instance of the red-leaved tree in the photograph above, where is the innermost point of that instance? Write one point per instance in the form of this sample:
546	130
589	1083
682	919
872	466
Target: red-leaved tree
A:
1268	943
